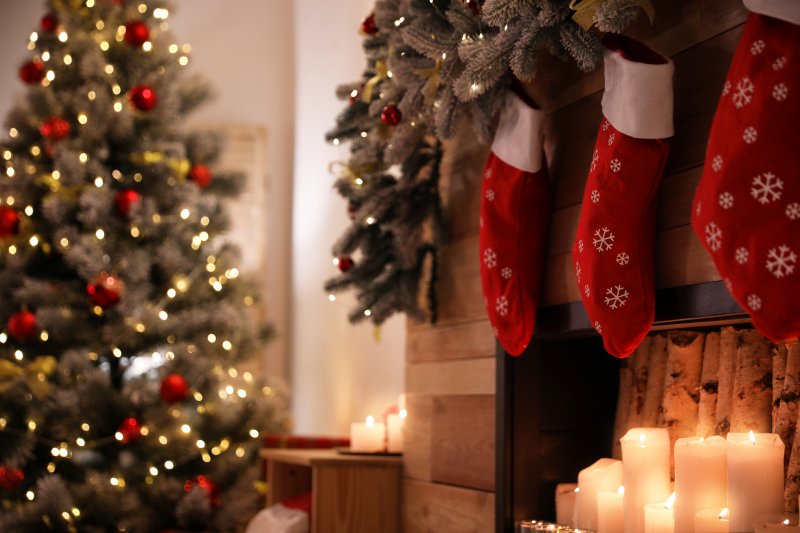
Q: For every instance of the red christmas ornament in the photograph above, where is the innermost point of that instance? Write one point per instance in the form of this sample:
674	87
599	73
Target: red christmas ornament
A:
142	97
105	290
22	325
10	478
9	222
32	72
391	116
49	23
174	388
130	430
368	25
54	128
136	33
205	483
344	263
201	175
125	200
352	210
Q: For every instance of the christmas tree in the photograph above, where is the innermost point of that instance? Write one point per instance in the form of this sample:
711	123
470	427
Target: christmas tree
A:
123	313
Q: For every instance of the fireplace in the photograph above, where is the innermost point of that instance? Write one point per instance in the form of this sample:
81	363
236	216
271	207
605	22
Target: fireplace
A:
556	403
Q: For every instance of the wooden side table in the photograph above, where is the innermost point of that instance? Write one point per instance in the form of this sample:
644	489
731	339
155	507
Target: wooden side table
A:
349	493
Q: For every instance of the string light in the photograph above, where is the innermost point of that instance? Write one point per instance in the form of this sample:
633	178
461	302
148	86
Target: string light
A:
67	59
63	37
104	46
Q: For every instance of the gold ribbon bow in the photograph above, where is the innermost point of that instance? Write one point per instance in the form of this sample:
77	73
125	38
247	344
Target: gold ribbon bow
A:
432	74
381	73
179	165
585	10
34	374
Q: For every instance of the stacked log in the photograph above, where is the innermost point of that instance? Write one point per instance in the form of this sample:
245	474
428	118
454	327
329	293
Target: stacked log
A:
709	386
727	363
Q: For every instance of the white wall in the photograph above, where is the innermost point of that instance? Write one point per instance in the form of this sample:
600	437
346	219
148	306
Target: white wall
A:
340	372
276	63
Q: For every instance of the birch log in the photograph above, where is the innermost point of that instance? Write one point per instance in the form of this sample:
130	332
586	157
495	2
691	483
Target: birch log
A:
682	385
790	401
641	363
779	355
709	385
727	364
655	381
623	403
751	409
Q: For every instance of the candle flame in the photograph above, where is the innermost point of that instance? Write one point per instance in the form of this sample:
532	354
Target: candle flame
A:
370	421
785	522
670	502
642	438
752	437
577	489
723	514
621	490
403	413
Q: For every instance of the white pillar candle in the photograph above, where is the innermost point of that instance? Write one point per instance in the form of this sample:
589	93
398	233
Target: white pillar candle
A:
605	475
660	517
701	478
755	477
565	502
645	473
610	516
367	437
394	431
779	523
712	521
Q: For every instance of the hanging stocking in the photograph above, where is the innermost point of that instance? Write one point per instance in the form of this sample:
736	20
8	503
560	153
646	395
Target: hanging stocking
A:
613	250
747	206
515	208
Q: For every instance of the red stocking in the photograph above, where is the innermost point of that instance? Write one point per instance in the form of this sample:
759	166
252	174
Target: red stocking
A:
613	249
515	208
747	206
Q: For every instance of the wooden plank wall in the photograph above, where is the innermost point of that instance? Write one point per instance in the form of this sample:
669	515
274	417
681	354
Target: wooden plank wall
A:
450	372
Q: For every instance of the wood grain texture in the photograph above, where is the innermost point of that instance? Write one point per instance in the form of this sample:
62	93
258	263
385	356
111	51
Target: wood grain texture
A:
355	499
286	480
436	508
463	437
467	376
418	437
459	341
459	288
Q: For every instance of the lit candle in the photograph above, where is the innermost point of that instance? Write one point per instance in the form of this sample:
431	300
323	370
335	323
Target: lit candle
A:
779	523
367	437
712	521
565	502
394	431
755	477
659	517
605	475
645	473
610	517
701	478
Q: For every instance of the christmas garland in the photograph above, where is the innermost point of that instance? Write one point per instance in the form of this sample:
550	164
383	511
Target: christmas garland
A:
432	66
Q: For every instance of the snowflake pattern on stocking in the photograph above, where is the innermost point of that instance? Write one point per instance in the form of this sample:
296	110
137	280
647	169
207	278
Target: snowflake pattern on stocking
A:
595	196
489	258
744	93
605	125
726	200
766	188
501	306
595	158
726	89
580	245
488	174
781	261
578	271
793	211
698	208
754	302
490	195
749	135
780	92
611	139
713	236
716	163
779	63
587	291
616	296
742	255
728	284
603	239
623	259
597	327
506	273
615	165
757	47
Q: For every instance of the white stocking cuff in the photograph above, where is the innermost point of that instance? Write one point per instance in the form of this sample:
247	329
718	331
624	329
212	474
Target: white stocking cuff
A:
518	140
788	10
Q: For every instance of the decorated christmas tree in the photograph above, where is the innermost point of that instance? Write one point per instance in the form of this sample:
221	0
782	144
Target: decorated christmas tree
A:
123	313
